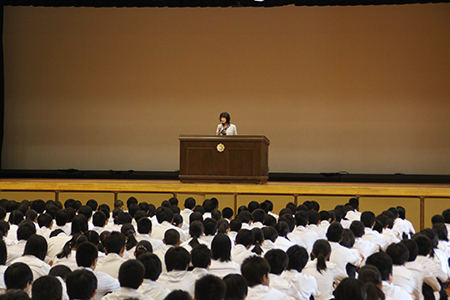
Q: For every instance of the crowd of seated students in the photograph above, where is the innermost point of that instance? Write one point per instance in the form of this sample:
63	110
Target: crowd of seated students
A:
53	250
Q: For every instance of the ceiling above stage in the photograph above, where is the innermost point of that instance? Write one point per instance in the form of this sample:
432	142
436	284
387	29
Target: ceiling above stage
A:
206	3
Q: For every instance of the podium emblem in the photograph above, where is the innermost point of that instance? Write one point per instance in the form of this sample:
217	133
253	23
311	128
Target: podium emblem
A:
220	147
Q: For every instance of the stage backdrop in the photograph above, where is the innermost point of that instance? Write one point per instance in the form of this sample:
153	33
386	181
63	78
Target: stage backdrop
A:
362	89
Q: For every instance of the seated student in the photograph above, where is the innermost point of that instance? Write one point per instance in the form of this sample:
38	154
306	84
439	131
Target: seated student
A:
45	222
246	218
15	218
401	276
283	240
3	267
325	272
201	261
143	247
46	288
350	288
244	241
270	238
306	285
278	261
131	276
210	226
235	226
364	247
61	272
15	295
267	206
368	219
171	239
256	270
371	278
314	223
178	295
237	288
165	218
4	228
196	230
227	213
67	256
144	229
149	287
221	263
189	205
34	255
62	221
25	230
258	216
86	257
18	276
383	263
99	220
114	249
177	277
210	287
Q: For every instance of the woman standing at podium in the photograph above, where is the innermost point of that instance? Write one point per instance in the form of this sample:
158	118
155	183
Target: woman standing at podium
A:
225	127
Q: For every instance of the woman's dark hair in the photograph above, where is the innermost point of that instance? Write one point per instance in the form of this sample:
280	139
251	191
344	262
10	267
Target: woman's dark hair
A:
36	245
129	231
237	288
92	237
221	248
79	224
196	229
3	252
350	288
76	240
15	217
348	239
143	247
321	251
226	116
259	239
371	278
61	271
441	231
222	226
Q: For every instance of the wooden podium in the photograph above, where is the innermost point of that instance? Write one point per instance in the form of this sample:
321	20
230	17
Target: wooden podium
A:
224	159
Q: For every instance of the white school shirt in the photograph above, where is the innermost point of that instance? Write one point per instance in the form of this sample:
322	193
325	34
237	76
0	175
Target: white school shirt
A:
223	268
239	253
156	244
395	292
262	292
325	279
110	264
366	248
105	283
308	237
341	256
197	273
321	232
178	280
56	244
154	290
37	266
422	275
69	261
126	293
161	253
306	285
159	231
285	286
186	213
283	243
375	237
45	232
353	215
432	266
403	278
2	280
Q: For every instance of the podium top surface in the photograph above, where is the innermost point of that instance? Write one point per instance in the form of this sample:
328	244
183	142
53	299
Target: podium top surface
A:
243	138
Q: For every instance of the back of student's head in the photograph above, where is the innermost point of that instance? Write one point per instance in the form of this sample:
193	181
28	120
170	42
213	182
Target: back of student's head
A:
201	256
301	218
210	287
152	265
423	243
382	262
350	288
25	230
227	213
45	220
177	258
17	276
321	251
245	237
131	274
86	254
245	216
81	284
399	253
3	252
142	247
237	288
235	225
15	295
114	242
171	237
413	249
210	225
270	233
368	218
446	215
99	219
371	278
282	228
46	288
278	261
36	245
62	217
61	271
178	295
164	214
15	217
189	203
313	217
357	227
432	236
335	232
258	215
348	239
79	224
144	225
221	247
298	257
253	269
441	231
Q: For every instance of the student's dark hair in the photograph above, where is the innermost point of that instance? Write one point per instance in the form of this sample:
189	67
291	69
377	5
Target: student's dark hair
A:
270	233
81	284
93	204
79	224
92	236
26	230
413	249
235	225
15	217
221	248
85	211
144	206
73	243
177	258
441	231
56	232
259	239
200	209
335	232
189	203
348	239
357	227
210	287
285	211
350	288
46	288
259	215
399	253
86	254
378	226
245	216
446	215
227	212
226	116
36	245
31	215
210	225
301	218
371	278
320	252
253	269
144	225
215	202
142	247
164	214
17	276
368	218
298	257
292	207
208	205
123	218
201	256
177	219
140	214
128	231
196	229
313	217
131	200
118	204
196	216
152	265
131	274
354	202
270	220
114	242
3	252
178	295
15	295
99	219
245	237
437	219
278	261
282	228
4	226
241	209
60	271
222	226
237	288
433	238
382	262
62	217
45	220
324	215
132	209
171	237
423	243
216	215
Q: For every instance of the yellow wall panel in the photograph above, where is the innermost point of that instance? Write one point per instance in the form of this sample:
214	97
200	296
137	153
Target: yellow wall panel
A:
30	196
434	206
